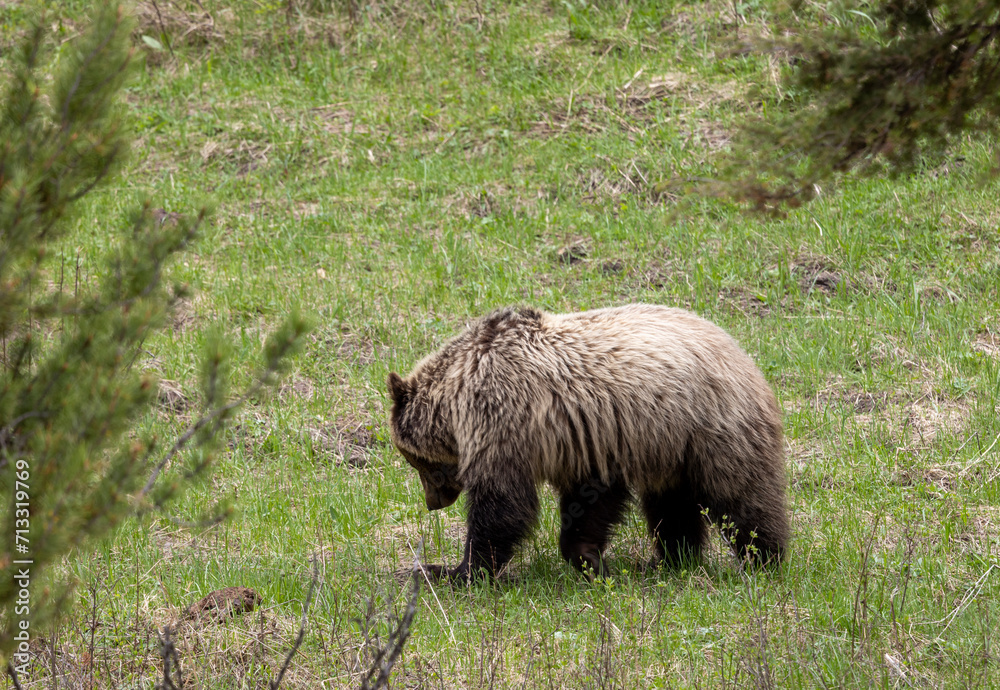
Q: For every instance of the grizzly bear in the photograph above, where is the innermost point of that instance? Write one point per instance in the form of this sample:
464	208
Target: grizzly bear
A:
636	401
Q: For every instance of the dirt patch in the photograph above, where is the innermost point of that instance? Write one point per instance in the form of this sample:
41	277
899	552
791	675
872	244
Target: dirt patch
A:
170	396
988	343
657	274
348	440
585	114
223	604
235	652
817	273
613	267
321	28
808	464
480	205
824	281
929	416
946	167
914	422
938	479
598	184
360	349
974	235
297	387
571	254
855	399
746	302
178	544
303	26
349	346
182	315
635	96
302	210
489	200
402	538
573	250
633	110
933	291
685	26
916	419
246	155
982	527
336	119
707	135
888	351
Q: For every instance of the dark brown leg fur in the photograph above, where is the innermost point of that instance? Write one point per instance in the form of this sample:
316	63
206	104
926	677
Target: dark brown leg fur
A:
589	513
501	514
675	524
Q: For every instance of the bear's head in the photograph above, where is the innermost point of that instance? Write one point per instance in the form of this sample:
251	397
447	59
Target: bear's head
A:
422	436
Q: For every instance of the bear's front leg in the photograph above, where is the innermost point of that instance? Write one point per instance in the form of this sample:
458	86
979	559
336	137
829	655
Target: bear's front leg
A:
502	511
588	513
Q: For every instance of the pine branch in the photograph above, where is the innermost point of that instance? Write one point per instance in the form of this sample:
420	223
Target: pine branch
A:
889	103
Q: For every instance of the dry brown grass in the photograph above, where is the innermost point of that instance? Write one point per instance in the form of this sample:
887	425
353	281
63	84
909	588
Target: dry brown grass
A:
177	23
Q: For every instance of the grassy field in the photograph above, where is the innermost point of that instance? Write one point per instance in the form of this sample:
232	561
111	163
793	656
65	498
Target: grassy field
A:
396	168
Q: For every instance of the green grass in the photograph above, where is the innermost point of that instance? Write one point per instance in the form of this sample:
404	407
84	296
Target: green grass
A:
399	174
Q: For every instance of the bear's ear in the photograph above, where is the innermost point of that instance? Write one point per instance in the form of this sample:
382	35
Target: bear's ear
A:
399	391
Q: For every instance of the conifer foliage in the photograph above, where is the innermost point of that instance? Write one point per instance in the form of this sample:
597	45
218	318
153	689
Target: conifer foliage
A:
72	461
891	89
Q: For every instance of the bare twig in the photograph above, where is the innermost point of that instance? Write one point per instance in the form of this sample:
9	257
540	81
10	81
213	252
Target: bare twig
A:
163	29
302	626
973	463
861	593
168	652
93	627
13	677
430	587
381	669
969	597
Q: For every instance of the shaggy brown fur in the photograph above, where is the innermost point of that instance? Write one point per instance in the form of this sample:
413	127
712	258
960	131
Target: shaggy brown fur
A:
639	400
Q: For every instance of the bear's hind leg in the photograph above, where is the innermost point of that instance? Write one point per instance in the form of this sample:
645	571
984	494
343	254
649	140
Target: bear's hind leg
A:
757	533
588	514
675	523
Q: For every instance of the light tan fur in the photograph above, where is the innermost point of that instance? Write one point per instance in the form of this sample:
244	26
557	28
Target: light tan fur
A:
591	389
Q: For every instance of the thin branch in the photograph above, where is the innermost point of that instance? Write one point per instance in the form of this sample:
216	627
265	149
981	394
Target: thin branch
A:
302	627
216	416
387	656
198	426
7	432
13	677
163	30
168	651
110	159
